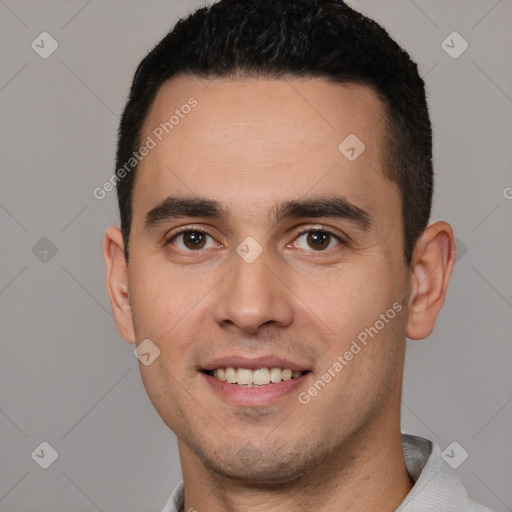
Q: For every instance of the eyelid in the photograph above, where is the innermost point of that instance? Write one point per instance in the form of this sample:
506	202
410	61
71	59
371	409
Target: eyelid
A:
186	229
341	237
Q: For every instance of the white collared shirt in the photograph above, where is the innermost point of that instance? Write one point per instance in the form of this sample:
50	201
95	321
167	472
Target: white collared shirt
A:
436	488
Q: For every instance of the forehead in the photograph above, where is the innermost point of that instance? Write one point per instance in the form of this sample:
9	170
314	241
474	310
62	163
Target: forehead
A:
259	140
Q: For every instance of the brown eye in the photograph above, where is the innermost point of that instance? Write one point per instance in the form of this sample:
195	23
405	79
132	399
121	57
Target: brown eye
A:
316	239
191	240
194	240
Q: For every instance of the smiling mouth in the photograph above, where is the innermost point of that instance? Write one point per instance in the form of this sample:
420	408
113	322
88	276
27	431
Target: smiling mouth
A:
254	378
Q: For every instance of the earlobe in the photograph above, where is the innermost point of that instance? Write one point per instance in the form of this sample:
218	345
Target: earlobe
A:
117	282
433	261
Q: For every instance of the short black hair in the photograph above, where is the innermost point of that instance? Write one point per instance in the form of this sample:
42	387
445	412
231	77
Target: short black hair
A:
282	39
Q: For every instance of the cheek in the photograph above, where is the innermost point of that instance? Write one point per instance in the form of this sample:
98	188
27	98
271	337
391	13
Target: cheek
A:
170	310
350	298
159	299
364	325
348	311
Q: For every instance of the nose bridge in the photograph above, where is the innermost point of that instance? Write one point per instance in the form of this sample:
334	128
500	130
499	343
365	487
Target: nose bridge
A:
252	294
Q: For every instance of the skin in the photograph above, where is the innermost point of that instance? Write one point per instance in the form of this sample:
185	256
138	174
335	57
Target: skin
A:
251	144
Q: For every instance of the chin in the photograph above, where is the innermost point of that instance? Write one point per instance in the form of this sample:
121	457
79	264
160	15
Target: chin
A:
269	474
263	466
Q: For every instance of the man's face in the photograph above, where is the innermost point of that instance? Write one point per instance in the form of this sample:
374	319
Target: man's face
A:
211	300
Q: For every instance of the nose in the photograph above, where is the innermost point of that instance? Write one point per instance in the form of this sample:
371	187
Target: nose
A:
252	295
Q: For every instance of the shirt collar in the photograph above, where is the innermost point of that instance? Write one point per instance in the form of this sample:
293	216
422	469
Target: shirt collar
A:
435	486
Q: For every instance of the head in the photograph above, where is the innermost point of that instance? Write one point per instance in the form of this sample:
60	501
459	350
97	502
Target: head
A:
290	142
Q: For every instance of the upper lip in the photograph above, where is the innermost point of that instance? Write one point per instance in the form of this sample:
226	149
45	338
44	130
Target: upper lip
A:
253	363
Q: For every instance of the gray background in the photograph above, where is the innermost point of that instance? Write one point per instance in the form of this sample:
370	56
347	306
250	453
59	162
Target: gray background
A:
66	377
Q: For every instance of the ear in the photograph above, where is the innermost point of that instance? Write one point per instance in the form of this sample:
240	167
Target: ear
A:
432	265
117	282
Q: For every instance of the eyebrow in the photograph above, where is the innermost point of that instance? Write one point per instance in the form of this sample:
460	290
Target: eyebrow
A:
330	207
336	207
176	207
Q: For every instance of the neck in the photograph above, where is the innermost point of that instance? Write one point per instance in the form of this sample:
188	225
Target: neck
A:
366	472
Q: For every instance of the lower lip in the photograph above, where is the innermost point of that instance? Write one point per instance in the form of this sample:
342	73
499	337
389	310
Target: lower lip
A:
257	396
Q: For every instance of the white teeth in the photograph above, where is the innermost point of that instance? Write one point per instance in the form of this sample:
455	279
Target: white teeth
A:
286	375
230	375
258	377
261	376
275	375
243	376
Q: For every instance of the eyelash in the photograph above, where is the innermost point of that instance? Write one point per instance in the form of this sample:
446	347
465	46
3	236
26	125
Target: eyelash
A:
320	229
